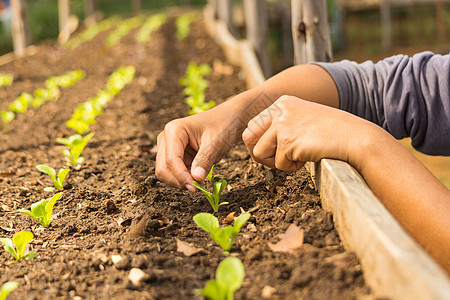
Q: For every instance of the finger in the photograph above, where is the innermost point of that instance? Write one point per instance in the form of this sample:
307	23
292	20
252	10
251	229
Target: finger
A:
265	149
176	141
255	129
161	170
209	153
284	160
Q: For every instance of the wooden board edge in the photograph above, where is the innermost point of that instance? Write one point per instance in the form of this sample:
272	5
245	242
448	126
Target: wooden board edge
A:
394	265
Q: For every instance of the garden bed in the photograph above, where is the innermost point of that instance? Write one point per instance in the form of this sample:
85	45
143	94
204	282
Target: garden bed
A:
112	204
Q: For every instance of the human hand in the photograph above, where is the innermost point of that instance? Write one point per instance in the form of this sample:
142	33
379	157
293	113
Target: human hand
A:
293	131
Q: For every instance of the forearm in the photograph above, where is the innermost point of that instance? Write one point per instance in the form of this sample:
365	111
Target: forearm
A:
407	188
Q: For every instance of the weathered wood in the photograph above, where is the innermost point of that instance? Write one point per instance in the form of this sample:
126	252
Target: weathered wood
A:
225	13
394	265
136	6
257	27
20	29
310	31
386	25
440	22
63	13
89	7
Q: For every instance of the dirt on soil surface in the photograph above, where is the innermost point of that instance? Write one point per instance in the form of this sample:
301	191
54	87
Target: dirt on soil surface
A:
112	205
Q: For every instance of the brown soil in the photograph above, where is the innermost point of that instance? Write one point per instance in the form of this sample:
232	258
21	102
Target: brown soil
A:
111	204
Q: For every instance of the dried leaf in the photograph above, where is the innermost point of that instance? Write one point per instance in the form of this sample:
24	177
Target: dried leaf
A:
187	249
290	241
137	275
7	174
230	218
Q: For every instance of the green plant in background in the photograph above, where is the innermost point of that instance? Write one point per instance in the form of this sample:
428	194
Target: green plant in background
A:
58	179
218	186
122	30
42	210
229	277
7	116
6	79
21	103
7	288
91	32
19	241
151	24
76	143
195	86
222	236
183	24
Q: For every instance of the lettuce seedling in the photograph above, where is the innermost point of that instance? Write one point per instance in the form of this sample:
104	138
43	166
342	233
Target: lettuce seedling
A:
195	86
21	103
151	24
223	236
7	116
77	143
42	210
6	79
19	240
218	186
183	24
58	179
229	277
7	288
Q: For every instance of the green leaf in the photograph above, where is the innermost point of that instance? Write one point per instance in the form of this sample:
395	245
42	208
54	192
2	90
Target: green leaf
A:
213	290
7	288
49	189
224	237
20	240
61	177
49	207
9	247
47	170
240	221
207	222
230	274
38	210
30	255
209	177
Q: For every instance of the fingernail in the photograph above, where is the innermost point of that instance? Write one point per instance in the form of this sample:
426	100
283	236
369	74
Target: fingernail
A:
190	188
199	172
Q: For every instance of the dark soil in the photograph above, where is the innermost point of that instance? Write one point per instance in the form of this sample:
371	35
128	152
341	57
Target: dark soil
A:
112	204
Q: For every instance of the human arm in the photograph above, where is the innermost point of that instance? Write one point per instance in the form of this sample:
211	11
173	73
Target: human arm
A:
189	146
293	131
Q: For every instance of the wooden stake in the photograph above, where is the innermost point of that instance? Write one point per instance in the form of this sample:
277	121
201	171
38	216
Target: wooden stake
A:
89	8
256	23
386	25
224	10
63	13
310	31
137	6
20	30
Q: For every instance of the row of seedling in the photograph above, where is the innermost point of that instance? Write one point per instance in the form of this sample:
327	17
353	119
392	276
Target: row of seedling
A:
42	210
6	79
195	86
51	92
91	32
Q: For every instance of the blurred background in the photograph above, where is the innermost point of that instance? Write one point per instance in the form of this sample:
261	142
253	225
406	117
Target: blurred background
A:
360	30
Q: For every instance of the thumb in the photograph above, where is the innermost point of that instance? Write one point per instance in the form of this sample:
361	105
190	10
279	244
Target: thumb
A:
206	156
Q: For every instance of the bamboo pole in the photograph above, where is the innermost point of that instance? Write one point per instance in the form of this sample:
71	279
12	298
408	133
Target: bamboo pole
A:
310	31
386	25
20	29
63	13
224	11
137	6
256	24
89	8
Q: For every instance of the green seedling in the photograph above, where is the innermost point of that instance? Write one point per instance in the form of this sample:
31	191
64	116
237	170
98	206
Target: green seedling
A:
183	24
218	186
7	116
195	86
6	79
19	241
91	32
21	103
7	288
151	24
58	179
42	210
229	277
76	143
122	30
222	236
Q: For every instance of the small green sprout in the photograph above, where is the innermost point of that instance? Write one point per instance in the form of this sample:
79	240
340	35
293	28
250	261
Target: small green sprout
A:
223	236
7	288
91	32
218	186
183	24
21	103
42	210
122	30
19	240
77	143
7	116
58	179
195	86
151	24
6	79
229	277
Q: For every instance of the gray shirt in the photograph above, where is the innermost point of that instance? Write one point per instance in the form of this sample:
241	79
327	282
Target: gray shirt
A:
407	96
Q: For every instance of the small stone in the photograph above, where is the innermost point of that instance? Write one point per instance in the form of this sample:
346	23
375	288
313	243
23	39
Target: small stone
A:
137	275
268	291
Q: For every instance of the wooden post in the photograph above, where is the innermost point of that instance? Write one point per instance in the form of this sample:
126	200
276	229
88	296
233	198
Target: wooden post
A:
284	8
89	8
224	10
137	6
440	21
256	24
20	29
386	25
215	9
310	31
63	13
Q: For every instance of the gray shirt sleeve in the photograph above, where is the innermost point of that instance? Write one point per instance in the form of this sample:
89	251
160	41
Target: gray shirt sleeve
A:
407	96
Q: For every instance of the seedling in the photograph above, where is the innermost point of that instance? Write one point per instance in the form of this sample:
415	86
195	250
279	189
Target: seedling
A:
150	25
223	236
6	79
42	210
218	186
183	24
229	277
122	30
7	288
58	179
195	86
91	32
19	240
77	143
7	116
21	103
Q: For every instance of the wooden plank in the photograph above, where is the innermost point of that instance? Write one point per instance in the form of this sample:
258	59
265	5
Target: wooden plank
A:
89	8
310	31
257	27
394	265
63	13
20	30
386	25
225	13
